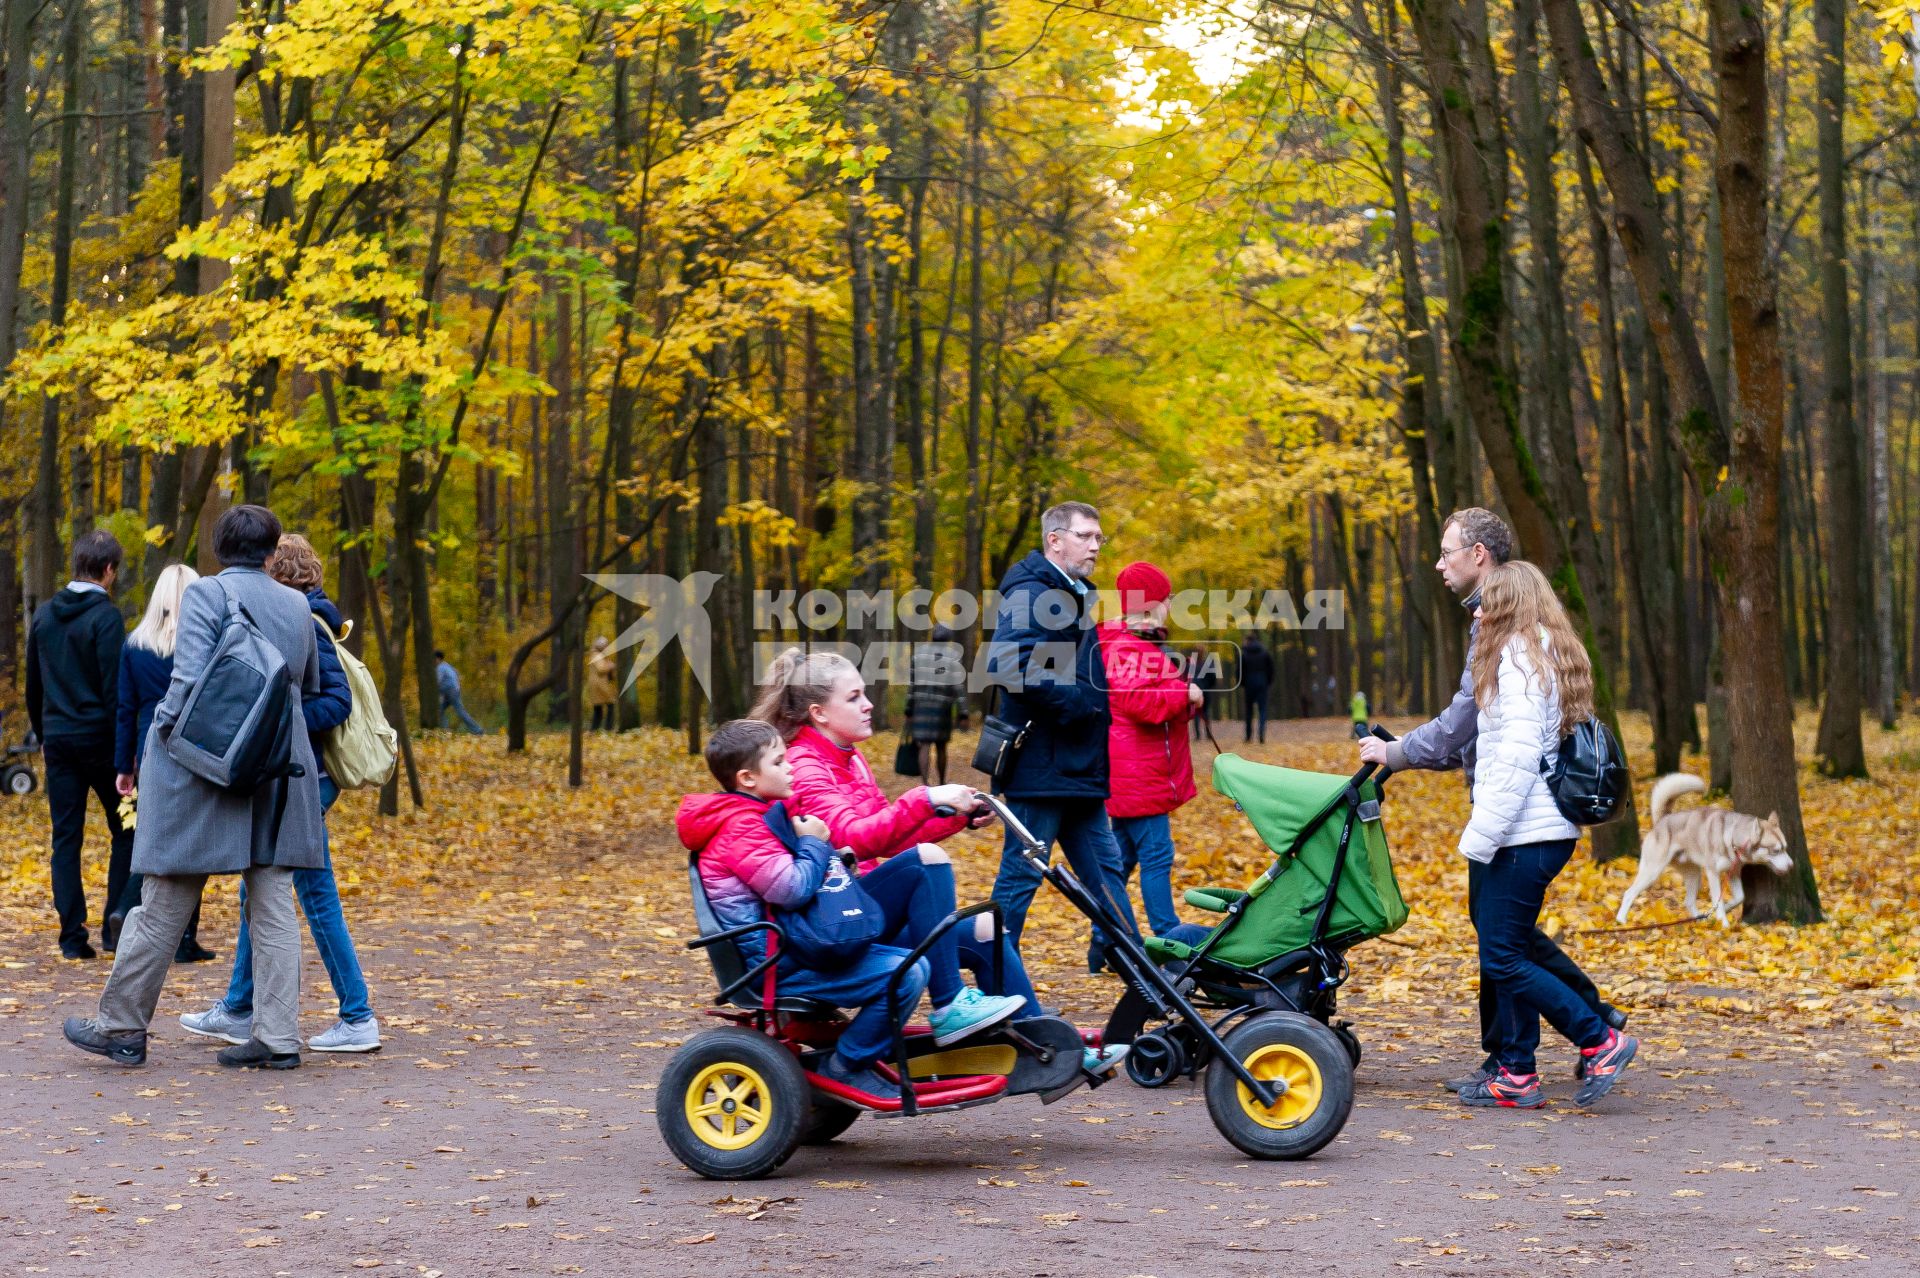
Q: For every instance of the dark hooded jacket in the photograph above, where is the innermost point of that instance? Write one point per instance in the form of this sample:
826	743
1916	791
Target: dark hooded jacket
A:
73	666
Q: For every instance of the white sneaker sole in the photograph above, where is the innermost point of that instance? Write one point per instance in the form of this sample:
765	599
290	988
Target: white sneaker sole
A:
313	1045
216	1035
954	1036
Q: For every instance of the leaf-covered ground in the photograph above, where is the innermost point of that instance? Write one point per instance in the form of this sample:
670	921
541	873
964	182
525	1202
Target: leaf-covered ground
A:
523	943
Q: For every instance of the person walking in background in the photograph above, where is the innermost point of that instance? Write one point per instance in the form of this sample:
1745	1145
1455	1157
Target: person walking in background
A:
146	668
1206	677
602	692
1044	646
1532	684
73	671
1473	542
936	685
449	681
1357	707
295	564
1256	681
1152	763
190	828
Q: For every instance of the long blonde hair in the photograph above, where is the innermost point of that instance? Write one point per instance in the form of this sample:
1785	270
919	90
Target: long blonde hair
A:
1516	601
796	681
161	623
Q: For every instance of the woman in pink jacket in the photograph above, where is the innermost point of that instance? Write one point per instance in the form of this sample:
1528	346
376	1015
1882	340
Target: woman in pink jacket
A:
818	702
1150	763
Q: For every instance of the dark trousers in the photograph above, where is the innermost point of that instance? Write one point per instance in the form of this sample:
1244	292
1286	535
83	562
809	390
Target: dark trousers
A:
1544	953
1256	695
75	766
1513	887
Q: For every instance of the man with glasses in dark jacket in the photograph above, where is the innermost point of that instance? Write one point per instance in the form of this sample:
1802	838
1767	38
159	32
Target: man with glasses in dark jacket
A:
1045	654
73	676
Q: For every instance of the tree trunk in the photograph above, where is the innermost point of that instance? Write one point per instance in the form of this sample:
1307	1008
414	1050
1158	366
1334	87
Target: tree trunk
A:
1422	422
1843	511
16	167
974	539
1466	115
1879	386
1732	460
43	576
1742	517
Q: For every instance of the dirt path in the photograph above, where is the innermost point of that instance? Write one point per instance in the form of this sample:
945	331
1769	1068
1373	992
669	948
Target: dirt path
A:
507	1128
525	954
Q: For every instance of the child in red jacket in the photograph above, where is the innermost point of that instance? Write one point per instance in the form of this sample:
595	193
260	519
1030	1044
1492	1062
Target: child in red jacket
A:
1148	753
818	702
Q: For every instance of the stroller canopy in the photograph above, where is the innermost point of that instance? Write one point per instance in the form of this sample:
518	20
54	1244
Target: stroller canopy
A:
1281	803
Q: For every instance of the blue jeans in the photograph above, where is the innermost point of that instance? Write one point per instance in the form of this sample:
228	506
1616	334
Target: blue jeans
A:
452	700
1513	888
1522	1034
1080	827
320	902
861	984
915	896
1147	841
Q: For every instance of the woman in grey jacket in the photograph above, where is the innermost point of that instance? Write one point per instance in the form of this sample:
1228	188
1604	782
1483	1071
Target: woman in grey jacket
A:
190	828
1532	683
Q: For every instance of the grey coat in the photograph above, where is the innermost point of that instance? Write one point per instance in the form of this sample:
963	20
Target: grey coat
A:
189	826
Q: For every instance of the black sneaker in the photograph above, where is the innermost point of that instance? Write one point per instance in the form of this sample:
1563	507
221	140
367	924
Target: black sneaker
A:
77	950
254	1054
861	1078
1506	1090
1603	1065
129	1048
191	951
1613	1016
1464	1081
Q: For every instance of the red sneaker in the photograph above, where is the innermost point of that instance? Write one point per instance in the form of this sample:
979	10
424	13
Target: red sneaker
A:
1604	1065
1507	1090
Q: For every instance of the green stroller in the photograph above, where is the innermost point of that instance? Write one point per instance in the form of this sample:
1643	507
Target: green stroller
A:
1281	945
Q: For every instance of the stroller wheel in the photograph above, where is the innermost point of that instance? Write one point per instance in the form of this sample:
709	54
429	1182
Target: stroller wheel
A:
1307	1062
1350	1041
733	1104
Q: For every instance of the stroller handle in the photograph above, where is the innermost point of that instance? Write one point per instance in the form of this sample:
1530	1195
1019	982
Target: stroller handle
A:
1030	847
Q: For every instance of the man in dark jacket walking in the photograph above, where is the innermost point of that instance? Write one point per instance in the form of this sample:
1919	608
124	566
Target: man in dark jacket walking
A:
1256	681
73	672
1046	655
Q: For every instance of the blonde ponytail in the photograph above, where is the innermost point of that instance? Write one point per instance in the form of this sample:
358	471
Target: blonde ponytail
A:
796	681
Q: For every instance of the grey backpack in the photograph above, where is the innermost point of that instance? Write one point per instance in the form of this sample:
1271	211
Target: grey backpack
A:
236	728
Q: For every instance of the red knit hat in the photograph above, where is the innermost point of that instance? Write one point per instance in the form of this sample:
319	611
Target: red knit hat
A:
1142	585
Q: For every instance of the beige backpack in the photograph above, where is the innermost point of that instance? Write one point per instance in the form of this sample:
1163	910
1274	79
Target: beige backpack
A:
361	751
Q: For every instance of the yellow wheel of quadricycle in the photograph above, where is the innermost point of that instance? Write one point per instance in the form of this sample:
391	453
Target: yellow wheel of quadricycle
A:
733	1104
1302	1060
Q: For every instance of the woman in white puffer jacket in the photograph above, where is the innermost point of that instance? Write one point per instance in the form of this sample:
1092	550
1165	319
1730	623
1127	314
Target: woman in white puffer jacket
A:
1533	683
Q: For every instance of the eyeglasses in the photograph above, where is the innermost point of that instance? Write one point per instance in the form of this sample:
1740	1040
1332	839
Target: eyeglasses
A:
1093	537
1448	554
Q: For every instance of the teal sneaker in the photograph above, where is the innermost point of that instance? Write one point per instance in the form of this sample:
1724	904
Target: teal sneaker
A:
970	1013
1103	1060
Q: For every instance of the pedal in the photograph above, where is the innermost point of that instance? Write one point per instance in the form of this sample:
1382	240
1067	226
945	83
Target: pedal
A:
1041	1052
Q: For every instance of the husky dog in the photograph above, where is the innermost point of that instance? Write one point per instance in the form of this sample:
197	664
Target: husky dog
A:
1710	842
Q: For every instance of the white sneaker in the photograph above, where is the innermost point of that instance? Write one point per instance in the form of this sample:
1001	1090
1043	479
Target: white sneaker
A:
364	1037
218	1022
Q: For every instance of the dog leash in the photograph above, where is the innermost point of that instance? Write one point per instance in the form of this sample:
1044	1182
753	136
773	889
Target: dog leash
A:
1640	927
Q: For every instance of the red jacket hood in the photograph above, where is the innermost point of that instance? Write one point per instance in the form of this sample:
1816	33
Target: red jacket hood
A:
703	816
